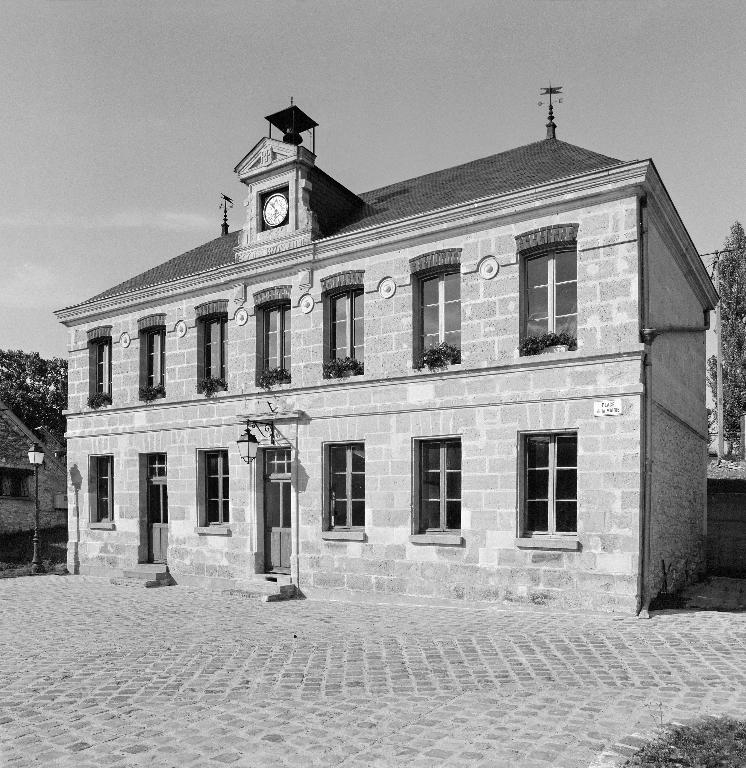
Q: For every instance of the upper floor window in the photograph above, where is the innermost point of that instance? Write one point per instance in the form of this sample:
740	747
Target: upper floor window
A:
550	484
346	325
346	485
99	365
277	337
440	310
439	485
155	355
436	308
213	347
551	293
549	280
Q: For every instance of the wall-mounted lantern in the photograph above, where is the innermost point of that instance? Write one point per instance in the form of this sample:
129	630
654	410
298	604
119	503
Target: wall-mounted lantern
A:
248	444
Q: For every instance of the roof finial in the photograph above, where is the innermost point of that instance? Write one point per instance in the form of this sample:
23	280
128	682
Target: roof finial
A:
224	203
551	126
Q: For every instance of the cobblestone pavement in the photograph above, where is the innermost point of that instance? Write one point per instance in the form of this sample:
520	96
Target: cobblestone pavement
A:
94	675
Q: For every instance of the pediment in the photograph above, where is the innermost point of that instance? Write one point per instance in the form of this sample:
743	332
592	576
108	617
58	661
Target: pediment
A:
266	154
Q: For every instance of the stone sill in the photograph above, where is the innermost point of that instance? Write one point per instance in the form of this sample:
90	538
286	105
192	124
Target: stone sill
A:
548	542
445	539
102	526
212	530
343	535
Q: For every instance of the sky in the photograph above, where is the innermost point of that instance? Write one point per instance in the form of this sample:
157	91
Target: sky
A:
121	122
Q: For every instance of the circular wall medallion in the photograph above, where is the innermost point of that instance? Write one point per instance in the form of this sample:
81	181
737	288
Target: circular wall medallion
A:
488	267
125	339
241	317
181	329
387	287
306	303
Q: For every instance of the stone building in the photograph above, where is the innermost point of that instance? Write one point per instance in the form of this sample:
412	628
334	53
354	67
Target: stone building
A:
483	383
17	489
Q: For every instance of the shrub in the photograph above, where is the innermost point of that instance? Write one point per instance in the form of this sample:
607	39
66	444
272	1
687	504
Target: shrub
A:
99	399
434	358
150	393
714	741
273	376
210	385
341	367
532	345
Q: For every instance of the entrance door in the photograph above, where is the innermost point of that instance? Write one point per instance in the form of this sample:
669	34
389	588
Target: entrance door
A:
277	494
157	508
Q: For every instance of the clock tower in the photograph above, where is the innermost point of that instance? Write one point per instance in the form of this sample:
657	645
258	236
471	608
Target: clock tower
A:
283	210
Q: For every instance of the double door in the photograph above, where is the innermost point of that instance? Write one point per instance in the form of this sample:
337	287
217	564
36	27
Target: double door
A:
277	498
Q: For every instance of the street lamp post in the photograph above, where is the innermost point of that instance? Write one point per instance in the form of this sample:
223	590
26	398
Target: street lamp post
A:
36	457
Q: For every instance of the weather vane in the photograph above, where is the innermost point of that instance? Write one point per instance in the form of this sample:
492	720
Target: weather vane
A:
552	90
225	203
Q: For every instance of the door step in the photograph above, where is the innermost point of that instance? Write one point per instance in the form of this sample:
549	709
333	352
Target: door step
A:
267	590
145	575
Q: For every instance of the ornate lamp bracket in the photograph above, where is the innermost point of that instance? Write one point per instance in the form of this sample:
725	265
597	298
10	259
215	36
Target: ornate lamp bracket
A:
265	428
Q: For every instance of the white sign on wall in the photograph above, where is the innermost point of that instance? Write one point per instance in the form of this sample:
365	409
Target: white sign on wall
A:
607	407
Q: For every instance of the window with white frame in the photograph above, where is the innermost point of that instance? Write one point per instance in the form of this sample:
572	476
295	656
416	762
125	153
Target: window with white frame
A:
346	325
276	337
440	310
154	358
439	469
346	485
550	484
216	487
550	294
100	357
214	346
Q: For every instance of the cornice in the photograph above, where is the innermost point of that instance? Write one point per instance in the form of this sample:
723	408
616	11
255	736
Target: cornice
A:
607	183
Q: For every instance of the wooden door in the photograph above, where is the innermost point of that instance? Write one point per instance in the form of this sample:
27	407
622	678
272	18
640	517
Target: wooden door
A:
157	509
277	526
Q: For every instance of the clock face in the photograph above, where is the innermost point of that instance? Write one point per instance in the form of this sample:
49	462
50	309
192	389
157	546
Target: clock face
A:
275	210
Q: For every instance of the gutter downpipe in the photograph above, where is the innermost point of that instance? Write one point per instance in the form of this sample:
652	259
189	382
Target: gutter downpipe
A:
643	602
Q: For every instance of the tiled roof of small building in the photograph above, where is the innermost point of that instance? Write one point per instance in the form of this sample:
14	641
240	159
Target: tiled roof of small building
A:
520	168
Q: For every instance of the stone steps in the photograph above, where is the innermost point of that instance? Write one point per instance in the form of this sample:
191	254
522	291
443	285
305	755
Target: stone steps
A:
145	575
269	589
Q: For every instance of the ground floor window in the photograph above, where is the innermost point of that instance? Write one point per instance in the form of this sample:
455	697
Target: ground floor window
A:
346	485
439	485
14	482
550	484
217	491
102	477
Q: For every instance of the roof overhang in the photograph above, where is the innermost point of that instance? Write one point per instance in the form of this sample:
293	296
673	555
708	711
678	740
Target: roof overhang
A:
636	178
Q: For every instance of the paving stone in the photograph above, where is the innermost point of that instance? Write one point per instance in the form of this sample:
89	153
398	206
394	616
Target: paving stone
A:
92	674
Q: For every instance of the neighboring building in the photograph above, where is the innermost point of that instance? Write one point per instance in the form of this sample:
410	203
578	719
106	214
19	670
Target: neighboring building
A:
570	478
17	489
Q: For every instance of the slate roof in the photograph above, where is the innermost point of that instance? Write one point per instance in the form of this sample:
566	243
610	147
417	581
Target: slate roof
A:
519	168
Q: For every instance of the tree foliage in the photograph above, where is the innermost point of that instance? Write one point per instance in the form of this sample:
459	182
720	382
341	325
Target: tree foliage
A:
732	318
35	389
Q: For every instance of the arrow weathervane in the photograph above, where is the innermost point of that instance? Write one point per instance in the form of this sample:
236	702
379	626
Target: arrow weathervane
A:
225	203
552	90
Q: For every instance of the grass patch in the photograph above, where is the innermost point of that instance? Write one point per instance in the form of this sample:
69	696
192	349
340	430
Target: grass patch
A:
715	742
17	549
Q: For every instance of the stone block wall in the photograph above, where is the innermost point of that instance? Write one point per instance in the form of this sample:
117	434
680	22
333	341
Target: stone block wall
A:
487	400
